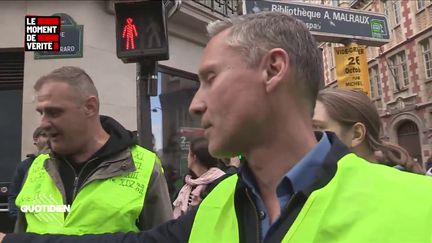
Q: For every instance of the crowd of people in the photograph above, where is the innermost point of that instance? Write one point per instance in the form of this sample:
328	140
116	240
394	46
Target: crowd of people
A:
326	177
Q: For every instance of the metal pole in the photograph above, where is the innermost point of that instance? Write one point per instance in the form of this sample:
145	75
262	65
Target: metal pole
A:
172	9
146	87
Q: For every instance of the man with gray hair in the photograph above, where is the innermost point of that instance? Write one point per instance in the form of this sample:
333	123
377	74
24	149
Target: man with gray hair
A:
97	178
260	75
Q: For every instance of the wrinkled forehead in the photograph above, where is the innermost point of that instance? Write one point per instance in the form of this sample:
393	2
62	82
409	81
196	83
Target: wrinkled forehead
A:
56	91
216	53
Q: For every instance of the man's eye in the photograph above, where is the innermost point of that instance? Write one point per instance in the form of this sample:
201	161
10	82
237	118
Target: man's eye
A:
210	78
53	113
318	127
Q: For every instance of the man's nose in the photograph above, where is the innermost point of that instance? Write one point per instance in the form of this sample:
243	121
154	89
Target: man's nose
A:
197	106
45	122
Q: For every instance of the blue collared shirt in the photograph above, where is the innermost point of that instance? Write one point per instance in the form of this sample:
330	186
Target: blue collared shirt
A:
301	176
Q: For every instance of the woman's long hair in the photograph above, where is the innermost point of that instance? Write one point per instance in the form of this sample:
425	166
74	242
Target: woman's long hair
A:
348	107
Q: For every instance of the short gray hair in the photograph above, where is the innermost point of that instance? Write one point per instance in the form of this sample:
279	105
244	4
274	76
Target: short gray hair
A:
255	34
74	76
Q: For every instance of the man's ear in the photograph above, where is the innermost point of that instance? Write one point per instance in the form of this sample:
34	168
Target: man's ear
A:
276	67
358	135
91	106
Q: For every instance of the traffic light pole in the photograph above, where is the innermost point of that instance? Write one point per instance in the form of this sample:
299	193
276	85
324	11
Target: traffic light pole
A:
134	18
146	87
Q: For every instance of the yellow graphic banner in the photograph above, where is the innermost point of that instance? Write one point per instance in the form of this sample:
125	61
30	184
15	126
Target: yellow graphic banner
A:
352	68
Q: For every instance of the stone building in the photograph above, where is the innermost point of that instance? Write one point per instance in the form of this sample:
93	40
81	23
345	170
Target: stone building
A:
400	72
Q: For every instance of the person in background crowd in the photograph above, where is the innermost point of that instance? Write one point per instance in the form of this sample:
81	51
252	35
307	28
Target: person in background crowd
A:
355	120
95	169
429	166
203	173
235	161
40	141
231	164
171	177
259	78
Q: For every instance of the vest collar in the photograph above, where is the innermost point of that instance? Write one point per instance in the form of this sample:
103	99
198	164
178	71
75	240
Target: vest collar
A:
114	165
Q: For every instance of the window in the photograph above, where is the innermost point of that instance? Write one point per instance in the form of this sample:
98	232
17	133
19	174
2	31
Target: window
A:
399	70
396	11
404	66
393	8
375	83
427	57
335	3
331	55
172	125
386	12
421	4
11	98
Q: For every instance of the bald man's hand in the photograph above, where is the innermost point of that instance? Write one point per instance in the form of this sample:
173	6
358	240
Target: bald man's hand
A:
1	237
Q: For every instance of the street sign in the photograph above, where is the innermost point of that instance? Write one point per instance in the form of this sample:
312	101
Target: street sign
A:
71	40
352	68
331	24
141	31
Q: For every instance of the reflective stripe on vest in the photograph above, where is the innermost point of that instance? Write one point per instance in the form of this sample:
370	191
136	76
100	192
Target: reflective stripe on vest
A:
363	202
102	206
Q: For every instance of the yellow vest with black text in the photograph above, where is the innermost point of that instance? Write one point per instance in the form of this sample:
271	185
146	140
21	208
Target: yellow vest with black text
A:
363	202
102	206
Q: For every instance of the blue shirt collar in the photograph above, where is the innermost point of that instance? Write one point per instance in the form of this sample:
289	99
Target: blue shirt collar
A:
302	175
305	172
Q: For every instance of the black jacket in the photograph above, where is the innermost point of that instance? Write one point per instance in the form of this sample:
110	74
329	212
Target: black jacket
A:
120	139
179	230
17	183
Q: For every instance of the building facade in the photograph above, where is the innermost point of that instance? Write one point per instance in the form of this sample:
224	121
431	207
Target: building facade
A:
400	73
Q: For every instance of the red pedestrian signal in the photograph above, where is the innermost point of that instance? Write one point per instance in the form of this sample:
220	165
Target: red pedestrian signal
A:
129	32
141	32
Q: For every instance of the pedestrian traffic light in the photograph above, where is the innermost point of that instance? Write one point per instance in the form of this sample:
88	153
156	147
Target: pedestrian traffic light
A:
141	32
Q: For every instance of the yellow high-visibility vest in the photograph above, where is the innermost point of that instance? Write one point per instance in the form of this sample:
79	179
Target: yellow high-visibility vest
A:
363	202
102	206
